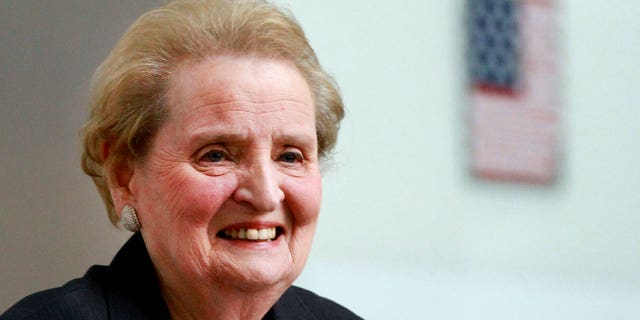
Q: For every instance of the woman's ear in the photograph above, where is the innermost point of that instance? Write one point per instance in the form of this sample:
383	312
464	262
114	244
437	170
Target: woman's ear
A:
119	172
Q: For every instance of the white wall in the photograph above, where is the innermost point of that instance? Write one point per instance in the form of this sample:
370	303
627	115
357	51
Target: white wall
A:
405	232
414	234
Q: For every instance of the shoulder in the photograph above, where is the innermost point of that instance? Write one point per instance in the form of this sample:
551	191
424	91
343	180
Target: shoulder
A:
81	298
301	301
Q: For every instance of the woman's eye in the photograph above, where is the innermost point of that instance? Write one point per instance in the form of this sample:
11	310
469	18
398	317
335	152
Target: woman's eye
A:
214	156
290	157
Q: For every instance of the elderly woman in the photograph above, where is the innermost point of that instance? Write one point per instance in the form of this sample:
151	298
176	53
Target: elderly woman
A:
208	122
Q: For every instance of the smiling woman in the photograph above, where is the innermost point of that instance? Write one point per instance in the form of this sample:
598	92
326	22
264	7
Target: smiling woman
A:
208	123
241	150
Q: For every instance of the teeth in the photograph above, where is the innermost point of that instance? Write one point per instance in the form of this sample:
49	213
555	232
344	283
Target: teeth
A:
251	234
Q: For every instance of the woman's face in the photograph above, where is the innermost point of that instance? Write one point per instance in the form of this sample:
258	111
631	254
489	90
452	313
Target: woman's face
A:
229	193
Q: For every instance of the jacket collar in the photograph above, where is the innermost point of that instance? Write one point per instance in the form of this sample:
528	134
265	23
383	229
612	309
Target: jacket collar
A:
132	288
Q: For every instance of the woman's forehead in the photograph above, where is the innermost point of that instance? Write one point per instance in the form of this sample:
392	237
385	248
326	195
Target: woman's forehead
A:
240	113
228	79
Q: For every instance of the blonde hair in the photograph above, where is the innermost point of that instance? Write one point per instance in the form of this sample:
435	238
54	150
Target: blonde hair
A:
127	103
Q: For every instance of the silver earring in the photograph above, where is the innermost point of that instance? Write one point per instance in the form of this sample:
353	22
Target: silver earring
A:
129	219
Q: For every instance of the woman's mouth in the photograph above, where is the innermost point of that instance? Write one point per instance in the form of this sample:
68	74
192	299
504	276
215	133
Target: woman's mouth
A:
251	234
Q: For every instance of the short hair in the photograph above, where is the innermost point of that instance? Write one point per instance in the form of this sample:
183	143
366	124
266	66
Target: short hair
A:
127	94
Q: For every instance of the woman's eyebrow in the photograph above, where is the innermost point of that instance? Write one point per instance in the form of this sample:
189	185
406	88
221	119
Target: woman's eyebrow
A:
298	138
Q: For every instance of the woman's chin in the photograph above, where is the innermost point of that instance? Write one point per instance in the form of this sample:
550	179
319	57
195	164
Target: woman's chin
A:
256	277
253	265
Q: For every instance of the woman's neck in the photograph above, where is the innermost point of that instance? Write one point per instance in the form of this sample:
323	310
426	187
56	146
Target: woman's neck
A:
199	301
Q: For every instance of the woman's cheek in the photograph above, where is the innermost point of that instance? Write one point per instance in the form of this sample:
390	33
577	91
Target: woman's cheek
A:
304	198
198	198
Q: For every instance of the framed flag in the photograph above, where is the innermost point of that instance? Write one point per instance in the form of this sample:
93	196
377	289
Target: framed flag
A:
514	89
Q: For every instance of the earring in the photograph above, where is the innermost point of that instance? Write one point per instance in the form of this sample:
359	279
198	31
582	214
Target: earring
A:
129	219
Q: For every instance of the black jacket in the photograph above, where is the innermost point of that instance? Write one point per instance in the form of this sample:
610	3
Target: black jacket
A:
128	289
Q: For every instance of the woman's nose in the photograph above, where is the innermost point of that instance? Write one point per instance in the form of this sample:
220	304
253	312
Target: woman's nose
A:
260	188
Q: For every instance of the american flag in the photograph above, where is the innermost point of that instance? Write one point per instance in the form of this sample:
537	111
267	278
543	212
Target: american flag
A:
512	59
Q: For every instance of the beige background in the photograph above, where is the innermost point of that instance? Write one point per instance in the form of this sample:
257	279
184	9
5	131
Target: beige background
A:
405	232
53	225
